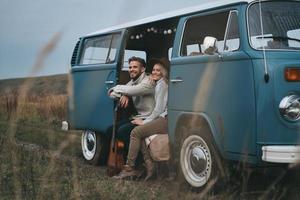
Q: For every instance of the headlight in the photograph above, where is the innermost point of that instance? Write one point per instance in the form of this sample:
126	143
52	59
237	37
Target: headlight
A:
289	108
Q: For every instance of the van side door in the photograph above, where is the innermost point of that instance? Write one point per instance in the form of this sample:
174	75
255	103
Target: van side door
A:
93	73
217	84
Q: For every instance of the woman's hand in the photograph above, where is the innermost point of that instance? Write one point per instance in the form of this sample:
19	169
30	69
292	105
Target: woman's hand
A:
151	80
137	122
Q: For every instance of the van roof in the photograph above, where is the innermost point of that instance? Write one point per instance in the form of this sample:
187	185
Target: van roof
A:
209	4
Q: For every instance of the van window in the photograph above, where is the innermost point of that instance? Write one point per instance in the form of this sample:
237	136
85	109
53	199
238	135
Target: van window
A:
197	28
294	34
128	54
232	36
274	25
100	50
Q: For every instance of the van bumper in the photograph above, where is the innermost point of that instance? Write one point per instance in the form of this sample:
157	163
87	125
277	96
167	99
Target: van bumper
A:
281	154
64	125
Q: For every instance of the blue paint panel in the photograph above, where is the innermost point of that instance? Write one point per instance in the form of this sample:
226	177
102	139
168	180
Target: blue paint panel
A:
224	91
271	127
93	109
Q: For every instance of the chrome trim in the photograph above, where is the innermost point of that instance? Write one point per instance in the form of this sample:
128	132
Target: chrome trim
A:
181	37
226	31
109	82
178	80
281	153
289	106
64	125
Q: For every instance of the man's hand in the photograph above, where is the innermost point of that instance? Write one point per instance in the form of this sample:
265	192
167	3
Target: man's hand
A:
137	122
109	93
112	94
124	101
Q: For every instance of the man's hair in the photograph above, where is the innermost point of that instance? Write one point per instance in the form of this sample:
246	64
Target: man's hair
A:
138	59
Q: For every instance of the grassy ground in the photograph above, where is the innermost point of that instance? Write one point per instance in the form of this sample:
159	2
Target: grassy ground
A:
42	162
39	161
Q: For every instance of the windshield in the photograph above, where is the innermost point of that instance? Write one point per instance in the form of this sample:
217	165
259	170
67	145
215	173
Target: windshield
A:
280	27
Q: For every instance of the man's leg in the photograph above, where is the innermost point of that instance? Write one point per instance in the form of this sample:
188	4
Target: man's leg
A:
123	133
108	133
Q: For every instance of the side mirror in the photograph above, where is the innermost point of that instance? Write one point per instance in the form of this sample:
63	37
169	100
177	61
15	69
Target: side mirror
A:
210	45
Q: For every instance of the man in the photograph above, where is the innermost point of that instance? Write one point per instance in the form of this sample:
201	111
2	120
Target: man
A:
141	90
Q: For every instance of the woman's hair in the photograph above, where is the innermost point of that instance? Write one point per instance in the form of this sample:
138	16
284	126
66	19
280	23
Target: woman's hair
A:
164	64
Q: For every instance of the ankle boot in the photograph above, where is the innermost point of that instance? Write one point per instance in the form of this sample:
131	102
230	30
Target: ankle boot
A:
127	171
149	168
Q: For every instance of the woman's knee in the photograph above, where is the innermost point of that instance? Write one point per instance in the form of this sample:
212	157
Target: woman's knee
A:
136	132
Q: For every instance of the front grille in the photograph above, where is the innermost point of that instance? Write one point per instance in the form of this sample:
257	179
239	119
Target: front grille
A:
74	55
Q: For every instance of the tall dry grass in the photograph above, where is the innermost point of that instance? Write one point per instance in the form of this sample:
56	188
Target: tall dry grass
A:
53	106
9	101
19	105
48	107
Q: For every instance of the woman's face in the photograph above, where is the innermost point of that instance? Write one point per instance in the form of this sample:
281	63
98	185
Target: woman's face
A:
156	72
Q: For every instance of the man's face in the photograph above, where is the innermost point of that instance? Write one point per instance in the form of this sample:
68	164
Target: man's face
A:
135	69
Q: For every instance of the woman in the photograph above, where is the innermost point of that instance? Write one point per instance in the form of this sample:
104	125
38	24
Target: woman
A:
156	123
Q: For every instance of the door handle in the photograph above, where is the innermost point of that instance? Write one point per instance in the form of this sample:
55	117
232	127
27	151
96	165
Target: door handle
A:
177	80
109	82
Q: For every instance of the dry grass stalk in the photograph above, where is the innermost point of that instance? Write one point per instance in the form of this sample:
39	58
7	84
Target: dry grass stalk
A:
17	102
11	101
54	106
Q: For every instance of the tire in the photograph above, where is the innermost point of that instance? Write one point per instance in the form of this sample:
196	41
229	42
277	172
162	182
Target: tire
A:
199	162
94	148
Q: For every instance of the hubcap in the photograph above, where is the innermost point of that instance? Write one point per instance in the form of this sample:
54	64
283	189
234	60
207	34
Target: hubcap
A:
90	140
88	144
196	160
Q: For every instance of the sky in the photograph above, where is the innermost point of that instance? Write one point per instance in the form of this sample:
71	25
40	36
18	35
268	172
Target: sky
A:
26	26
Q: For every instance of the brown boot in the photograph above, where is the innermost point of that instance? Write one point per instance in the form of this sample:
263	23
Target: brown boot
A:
149	168
127	171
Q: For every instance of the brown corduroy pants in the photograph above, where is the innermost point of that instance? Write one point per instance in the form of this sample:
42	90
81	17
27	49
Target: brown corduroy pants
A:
138	135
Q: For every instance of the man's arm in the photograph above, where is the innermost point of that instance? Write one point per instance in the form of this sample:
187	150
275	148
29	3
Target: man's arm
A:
145	87
115	95
111	93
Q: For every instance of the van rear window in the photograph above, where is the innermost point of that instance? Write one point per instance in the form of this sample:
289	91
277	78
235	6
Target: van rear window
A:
99	50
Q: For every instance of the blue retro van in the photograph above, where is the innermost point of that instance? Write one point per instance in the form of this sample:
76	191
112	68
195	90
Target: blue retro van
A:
234	88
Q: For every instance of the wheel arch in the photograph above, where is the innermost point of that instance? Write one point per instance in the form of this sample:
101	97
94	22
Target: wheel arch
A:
196	121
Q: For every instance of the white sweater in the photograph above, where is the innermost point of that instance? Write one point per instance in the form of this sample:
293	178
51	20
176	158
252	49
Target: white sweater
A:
161	99
141	91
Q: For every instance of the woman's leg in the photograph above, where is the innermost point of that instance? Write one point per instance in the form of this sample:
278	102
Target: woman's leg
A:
139	133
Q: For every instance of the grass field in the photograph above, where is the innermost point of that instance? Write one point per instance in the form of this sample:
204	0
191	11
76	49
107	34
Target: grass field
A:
39	161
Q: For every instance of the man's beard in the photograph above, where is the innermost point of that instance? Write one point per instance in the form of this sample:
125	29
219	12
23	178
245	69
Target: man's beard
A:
135	77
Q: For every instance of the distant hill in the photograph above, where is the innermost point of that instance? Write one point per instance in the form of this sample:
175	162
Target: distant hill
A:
55	84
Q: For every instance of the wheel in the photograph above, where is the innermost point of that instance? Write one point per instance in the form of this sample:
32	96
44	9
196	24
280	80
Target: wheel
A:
94	148
198	161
